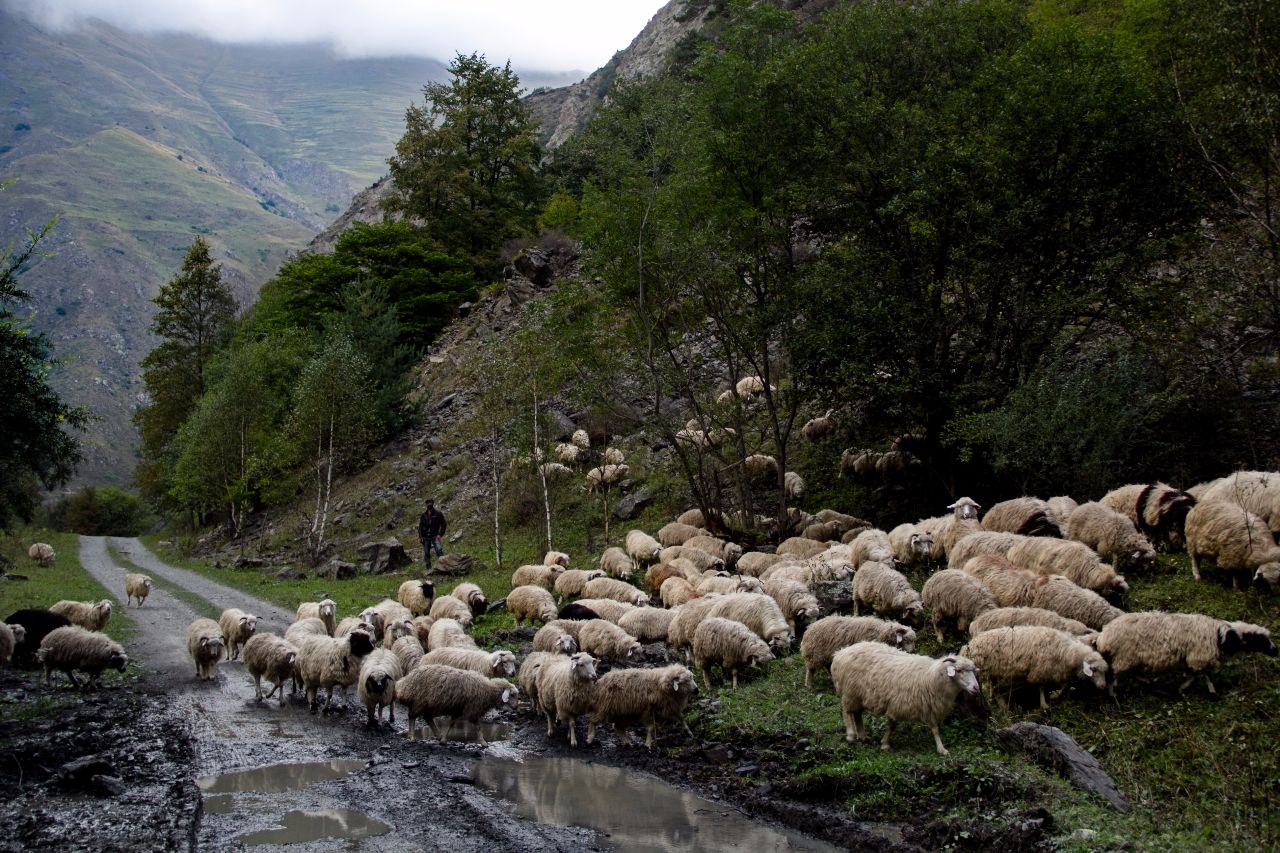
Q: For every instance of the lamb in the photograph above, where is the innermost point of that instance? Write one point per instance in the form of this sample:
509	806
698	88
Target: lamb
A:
1058	509
981	542
629	697
237	627
947	530
556	558
726	552
642	548
606	641
42	553
328	662
472	596
1025	516
543	576
86	614
606	475
607	608
676	591
408	650
376	685
1155	641
885	590
326	611
497	664
10	636
1006	617
1065	598
1256	491
566	690
555	639
647	624
676	533
36	625
571	582
417	595
448	607
1157	510
205	645
756	562
433	691
72	647
1074	560
1238	541
901	686
797	603
912	546
871	545
271	656
728	643
1034	655
136	586
798	546
953	596
616	590
728	583
821	427
531	602
615	563
449	633
528	676
1110	533
832	633
758	612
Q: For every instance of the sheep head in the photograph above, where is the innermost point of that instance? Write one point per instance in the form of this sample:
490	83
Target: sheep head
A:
328	609
118	661
1268	575
19	633
963	672
583	666
905	638
921	544
249	624
682	681
1095	669
965	508
361	643
504	662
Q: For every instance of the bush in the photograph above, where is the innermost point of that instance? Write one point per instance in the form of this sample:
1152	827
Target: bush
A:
100	512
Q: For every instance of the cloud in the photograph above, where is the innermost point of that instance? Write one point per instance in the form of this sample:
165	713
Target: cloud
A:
549	35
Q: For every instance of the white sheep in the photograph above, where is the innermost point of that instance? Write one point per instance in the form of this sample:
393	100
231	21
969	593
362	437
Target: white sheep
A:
728	583
1256	491
676	591
42	553
570	454
912	546
386	612
982	542
755	563
581	438
376	685
730	644
606	641
555	639
615	590
408	650
556	558
613	456
87	614
953	596
446	633
1060	595
1059	509
531	602
1009	585
346	626
760	467
10	636
693	517
871	545
71	647
1155	641
1007	617
237	627
417	595
136	586
727	553
615	563
328	662
629	697
701	558
528	675
543	576
326	611
205	645
758	612
831	633
432	691
819	427
1036	656
555	470
793	486
946	530
313	626
496	664
571	581
647	624
798	604
1074	560
798	546
1157	510
1238	541
1025	515
899	685
1110	533
685	620
606	475
448	607
472	596
676	533
885	590
566	690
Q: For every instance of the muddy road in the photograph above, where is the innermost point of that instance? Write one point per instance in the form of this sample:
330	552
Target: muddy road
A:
171	763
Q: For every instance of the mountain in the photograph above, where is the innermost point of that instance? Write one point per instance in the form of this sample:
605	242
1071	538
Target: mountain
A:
139	143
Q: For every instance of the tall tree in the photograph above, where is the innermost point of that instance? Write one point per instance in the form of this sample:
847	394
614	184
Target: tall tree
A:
467	164
193	309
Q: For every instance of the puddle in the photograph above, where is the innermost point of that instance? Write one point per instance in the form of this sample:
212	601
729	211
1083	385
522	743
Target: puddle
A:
277	778
465	732
304	827
217	804
635	811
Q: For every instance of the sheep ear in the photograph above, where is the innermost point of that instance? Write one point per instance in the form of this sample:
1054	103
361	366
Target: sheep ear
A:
506	695
675	685
1088	668
951	672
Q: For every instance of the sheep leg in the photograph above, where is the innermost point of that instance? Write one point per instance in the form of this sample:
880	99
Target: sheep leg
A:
413	725
372	721
391	712
1209	684
808	675
591	731
650	731
1195	564
937	629
313	700
706	679
937	739
573	733
47	672
1044	705
443	731
852	731
735	678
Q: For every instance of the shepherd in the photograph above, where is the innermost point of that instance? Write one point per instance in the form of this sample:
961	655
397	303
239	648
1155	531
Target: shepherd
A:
431	525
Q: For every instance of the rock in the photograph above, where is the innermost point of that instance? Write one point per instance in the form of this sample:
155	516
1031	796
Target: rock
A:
718	754
382	557
217	564
455	537
630	506
337	570
834	596
243	562
289	573
561	427
453	564
446	401
1053	748
107	786
747	770
81	772
465	308
533	265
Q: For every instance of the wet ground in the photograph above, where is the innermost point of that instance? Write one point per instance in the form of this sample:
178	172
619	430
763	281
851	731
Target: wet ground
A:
165	762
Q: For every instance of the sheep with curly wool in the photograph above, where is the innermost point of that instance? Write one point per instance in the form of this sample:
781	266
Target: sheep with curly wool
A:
760	468
449	633
1035	656
615	590
566	690
237	627
376	685
571	582
606	641
793	486
432	691
615	563
328	662
676	591
448	607
556	639
953	597
886	591
1239	542
1007	617
556	558
87	614
947	530
1073	560
1025	516
417	595
900	686
326	611
10	636
1060	595
676	533
1110	533
606	475
647	624
693	517
136	586
569	454
982	542
1059	509
472	596
1009	585
495	664
758	612
646	697
912	545
543	576
797	603
1156	642
831	633
408	650
798	546
685	619
1158	511
642	548
1256	491
730	644
206	646
871	545
531	603
607	608
73	647
755	563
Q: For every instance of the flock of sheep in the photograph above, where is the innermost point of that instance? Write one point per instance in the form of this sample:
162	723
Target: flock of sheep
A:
1028	588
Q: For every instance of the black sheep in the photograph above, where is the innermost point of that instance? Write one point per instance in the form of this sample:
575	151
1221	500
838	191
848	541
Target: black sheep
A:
39	623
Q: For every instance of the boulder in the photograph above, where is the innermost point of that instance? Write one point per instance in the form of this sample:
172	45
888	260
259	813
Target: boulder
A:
289	573
452	564
243	562
1053	748
337	570
534	265
382	557
630	506
561	426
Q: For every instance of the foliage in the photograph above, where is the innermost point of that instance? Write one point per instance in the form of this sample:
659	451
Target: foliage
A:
105	511
467	164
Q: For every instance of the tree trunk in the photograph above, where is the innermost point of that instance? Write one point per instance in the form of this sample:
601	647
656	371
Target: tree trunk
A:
497	496
542	474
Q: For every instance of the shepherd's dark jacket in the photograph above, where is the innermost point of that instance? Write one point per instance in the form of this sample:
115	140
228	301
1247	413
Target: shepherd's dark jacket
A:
431	524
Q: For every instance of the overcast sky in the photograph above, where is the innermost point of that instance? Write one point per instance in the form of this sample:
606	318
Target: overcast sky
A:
547	35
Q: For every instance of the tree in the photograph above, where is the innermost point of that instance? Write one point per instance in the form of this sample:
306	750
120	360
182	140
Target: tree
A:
36	449
467	164
193	310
